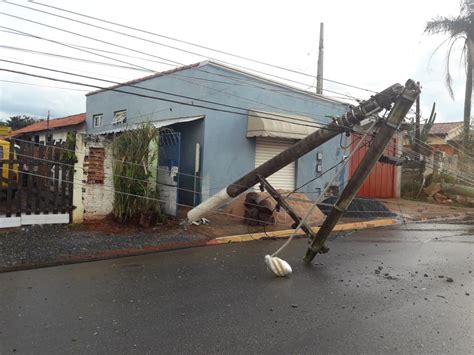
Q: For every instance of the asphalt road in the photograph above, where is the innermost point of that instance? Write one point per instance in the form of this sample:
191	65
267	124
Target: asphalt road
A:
377	291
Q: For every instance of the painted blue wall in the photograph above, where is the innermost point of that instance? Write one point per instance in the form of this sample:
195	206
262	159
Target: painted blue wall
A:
191	133
226	151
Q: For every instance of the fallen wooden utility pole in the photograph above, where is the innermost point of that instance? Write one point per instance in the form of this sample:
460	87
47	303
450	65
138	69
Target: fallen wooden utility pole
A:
286	206
354	116
385	133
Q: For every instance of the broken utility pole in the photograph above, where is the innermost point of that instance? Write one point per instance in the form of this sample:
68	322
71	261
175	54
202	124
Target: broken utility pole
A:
285	205
354	116
375	151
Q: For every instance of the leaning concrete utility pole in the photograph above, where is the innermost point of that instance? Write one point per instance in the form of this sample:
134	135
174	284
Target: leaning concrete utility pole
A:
354	116
319	77
384	134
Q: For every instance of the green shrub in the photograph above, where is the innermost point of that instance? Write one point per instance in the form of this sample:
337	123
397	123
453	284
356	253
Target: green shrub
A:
135	192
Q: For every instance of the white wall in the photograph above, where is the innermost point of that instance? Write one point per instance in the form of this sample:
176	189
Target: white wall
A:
98	198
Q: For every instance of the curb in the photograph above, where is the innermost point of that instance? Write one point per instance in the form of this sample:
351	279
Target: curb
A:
241	238
286	233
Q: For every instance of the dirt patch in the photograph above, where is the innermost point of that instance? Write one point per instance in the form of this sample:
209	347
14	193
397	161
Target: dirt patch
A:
297	201
109	226
419	210
230	220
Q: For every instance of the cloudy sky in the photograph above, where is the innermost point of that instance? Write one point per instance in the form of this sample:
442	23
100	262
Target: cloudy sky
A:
368	43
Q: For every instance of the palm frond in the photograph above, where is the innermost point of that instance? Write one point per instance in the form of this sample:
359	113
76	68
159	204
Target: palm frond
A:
448	77
453	26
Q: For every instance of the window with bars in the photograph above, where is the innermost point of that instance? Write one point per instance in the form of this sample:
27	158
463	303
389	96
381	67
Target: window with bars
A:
120	117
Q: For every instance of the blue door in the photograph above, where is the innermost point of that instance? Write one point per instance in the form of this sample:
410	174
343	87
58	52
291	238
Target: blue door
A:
168	171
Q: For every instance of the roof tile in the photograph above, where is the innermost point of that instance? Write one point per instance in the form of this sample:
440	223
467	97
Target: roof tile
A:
54	123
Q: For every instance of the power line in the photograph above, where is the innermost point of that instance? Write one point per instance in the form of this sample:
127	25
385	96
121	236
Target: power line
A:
307	124
425	145
24	34
170	73
174	39
141	52
46	86
63	67
81	183
112	189
83	151
345	96
73	58
412	154
69	46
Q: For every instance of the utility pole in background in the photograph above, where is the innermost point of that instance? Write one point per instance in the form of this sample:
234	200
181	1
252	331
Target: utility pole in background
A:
416	144
319	77
46	139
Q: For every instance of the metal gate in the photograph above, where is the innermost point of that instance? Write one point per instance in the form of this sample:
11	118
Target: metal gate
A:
36	184
381	181
168	171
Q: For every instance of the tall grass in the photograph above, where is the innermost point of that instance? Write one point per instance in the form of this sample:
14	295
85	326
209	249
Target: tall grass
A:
134	154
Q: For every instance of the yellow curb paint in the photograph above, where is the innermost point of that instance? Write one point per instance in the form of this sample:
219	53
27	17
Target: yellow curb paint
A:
286	233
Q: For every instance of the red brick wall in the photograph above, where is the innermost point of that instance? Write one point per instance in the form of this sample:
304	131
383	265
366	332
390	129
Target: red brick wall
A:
94	165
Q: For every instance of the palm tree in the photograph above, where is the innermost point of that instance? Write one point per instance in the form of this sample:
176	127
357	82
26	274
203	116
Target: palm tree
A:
459	28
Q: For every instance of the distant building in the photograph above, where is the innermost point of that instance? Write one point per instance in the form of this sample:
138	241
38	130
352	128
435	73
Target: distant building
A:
53	131
445	137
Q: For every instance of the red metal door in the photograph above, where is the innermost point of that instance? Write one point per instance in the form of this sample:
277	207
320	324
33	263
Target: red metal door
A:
381	180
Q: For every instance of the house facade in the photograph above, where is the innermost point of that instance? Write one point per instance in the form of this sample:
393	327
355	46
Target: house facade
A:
226	122
54	130
443	136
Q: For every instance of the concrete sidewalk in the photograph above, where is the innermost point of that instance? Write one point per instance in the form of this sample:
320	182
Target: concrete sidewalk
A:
42	246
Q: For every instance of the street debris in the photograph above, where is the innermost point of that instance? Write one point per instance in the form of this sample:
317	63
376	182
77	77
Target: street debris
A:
278	266
444	193
201	221
359	208
449	279
259	208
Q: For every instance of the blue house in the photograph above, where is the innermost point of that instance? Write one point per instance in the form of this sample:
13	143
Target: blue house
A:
225	122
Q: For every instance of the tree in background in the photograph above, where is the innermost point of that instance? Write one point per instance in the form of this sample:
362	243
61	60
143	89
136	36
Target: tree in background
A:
459	28
17	122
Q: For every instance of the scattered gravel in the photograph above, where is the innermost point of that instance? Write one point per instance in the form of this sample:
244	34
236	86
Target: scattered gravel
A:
359	208
44	244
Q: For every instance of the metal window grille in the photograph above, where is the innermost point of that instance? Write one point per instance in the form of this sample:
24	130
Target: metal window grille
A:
120	117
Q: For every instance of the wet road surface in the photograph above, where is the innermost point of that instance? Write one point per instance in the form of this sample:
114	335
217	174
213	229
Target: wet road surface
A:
377	291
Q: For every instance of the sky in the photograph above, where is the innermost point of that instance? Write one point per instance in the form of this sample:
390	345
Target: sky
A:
368	43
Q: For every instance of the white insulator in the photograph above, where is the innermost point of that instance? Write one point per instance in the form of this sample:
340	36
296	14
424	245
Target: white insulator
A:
279	266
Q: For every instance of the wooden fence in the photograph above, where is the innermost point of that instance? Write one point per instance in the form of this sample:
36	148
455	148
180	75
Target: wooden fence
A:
37	183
